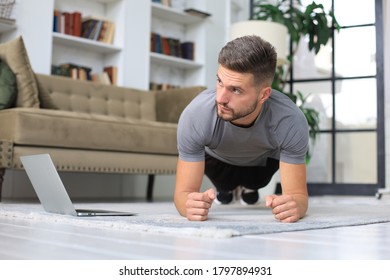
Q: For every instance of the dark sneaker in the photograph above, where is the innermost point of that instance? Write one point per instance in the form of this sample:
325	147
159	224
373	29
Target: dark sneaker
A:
249	196
224	197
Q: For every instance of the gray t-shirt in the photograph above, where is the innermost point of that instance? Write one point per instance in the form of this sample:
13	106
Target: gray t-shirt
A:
280	132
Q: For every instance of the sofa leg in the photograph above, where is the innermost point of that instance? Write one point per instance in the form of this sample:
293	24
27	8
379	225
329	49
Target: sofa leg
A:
2	172
149	191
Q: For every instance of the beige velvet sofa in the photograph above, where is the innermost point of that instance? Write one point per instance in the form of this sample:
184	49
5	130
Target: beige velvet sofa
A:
96	128
90	127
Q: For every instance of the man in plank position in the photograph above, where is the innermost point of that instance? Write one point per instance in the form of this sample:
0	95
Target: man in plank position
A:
239	135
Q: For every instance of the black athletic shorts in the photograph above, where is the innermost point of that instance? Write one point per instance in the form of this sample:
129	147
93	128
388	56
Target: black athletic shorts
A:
227	177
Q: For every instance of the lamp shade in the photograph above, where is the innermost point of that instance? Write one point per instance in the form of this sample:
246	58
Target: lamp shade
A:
275	33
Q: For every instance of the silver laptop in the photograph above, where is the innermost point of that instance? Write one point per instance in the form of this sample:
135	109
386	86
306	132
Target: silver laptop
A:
51	191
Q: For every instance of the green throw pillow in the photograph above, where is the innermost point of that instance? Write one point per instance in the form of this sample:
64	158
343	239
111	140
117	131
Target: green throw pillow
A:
14	53
8	89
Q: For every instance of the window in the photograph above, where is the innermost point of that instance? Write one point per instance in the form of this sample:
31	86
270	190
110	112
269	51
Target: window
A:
345	85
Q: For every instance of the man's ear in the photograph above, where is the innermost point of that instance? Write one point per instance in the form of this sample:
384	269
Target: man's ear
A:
265	94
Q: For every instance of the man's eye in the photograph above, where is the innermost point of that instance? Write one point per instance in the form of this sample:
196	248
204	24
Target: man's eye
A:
236	91
219	81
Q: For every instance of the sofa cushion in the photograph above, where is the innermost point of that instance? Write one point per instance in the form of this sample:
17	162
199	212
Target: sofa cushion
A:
7	86
88	97
171	103
15	55
63	129
45	100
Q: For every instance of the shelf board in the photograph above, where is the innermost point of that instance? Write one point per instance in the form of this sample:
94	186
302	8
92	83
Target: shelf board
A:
174	61
82	43
172	14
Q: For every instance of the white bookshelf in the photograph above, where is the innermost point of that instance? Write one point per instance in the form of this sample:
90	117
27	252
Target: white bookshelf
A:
130	51
174	23
86	52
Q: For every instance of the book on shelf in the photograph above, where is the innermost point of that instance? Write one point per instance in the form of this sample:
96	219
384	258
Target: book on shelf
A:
105	28
87	27
188	50
70	24
161	86
112	72
75	71
62	23
76	20
94	35
101	78
72	70
93	28
168	46
109	32
67	22
57	21
174	45
166	49
156	43
98	29
153	42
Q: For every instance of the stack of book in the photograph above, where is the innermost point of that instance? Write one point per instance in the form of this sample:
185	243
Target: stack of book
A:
74	71
79	72
67	23
172	46
89	27
164	86
98	29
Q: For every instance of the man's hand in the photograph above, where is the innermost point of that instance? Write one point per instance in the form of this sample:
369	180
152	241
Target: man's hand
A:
293	203
198	205
285	208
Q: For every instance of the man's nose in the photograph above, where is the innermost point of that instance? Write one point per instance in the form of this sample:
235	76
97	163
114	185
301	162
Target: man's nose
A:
222	95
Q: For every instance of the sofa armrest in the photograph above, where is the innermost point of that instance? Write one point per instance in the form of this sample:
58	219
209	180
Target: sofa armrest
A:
171	103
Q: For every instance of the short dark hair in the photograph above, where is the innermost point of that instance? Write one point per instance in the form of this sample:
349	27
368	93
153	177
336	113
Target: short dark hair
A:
250	54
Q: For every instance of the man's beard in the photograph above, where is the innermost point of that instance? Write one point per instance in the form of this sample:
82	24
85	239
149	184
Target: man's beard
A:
236	115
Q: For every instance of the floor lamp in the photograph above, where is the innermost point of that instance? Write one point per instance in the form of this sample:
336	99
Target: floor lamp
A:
274	33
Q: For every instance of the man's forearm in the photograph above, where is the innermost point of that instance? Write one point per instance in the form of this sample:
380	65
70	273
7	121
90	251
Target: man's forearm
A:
293	179
189	177
180	200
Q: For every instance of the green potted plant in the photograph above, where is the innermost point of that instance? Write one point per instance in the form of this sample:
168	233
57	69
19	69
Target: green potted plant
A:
311	21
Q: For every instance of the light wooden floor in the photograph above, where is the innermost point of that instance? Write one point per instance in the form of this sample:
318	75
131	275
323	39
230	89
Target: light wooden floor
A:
29	240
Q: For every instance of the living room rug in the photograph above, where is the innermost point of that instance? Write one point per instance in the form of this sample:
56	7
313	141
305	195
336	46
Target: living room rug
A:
224	220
